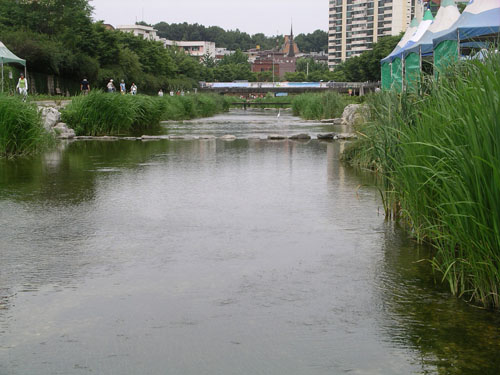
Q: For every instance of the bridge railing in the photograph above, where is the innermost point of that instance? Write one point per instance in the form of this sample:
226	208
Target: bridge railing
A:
288	85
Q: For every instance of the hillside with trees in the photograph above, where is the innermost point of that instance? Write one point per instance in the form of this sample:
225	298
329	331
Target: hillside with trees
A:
236	39
59	39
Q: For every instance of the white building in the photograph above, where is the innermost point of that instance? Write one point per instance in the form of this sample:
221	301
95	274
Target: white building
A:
354	25
193	48
147	32
221	52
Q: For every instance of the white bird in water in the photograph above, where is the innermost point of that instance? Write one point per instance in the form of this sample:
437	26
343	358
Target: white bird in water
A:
279	113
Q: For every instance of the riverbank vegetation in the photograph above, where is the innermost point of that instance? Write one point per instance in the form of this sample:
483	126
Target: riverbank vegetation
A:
21	130
112	114
316	41
439	156
69	45
321	106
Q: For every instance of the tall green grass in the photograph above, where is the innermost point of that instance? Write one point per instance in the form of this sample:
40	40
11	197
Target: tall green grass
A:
319	106
21	130
194	106
439	155
109	114
101	113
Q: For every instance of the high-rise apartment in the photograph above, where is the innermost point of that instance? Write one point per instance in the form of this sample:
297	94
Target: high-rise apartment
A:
356	24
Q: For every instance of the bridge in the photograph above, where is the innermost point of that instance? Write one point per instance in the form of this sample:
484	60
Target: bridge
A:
257	88
265	104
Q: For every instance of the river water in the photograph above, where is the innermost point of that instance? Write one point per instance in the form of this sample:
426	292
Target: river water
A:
206	256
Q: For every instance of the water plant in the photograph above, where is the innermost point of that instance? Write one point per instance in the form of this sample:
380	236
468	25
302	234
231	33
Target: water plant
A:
21	130
319	106
101	113
439	156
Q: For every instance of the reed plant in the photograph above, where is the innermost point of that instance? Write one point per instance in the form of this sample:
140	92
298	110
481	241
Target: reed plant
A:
439	155
319	106
21	129
101	113
194	106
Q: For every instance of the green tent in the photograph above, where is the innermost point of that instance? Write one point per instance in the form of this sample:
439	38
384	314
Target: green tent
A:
7	57
386	76
412	71
445	53
397	74
411	60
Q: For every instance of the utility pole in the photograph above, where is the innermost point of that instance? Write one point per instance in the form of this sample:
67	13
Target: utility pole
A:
273	68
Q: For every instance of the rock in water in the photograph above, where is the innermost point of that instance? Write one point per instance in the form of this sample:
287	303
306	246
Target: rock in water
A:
275	137
326	136
300	136
63	132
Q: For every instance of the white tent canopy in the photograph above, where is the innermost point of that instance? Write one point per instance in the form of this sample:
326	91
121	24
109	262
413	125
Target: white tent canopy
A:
7	57
446	16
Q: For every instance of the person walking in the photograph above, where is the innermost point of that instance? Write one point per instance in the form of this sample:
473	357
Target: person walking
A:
133	89
22	86
85	87
123	87
111	86
160	93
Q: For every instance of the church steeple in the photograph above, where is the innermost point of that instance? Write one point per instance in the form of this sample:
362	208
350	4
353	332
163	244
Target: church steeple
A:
291	50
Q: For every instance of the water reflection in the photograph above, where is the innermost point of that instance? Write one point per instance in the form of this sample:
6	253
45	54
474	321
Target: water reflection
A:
208	256
450	336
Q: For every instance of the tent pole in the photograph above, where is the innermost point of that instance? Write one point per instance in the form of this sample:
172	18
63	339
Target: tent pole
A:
2	75
421	72
458	43
402	73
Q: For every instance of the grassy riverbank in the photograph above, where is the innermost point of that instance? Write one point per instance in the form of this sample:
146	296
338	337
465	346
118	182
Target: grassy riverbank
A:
439	155
111	114
21	130
321	106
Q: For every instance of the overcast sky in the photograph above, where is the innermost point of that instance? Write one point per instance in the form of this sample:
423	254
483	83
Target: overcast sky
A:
252	16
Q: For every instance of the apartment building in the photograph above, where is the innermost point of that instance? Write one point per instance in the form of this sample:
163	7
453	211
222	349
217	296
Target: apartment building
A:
147	32
354	25
193	48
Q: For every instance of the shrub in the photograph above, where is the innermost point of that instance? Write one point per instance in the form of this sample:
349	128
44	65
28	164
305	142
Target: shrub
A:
21	130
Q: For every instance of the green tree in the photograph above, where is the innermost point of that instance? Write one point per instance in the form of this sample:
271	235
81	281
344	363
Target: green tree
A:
313	42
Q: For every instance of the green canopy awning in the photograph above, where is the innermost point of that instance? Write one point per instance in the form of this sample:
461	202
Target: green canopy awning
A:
7	57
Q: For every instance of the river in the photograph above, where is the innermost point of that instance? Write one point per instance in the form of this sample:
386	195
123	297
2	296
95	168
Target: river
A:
208	256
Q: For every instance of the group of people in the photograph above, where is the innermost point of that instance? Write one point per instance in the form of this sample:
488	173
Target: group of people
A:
22	87
123	87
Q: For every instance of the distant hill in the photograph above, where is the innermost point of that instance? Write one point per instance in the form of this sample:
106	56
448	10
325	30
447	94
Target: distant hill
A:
236	39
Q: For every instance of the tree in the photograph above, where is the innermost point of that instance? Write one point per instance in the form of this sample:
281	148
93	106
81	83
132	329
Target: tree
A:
314	42
366	67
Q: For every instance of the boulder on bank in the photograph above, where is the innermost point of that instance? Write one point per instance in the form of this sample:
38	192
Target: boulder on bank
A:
355	114
63	132
50	117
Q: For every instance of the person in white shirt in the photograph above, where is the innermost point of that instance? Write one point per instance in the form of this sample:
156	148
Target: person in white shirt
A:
133	89
22	86
111	87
